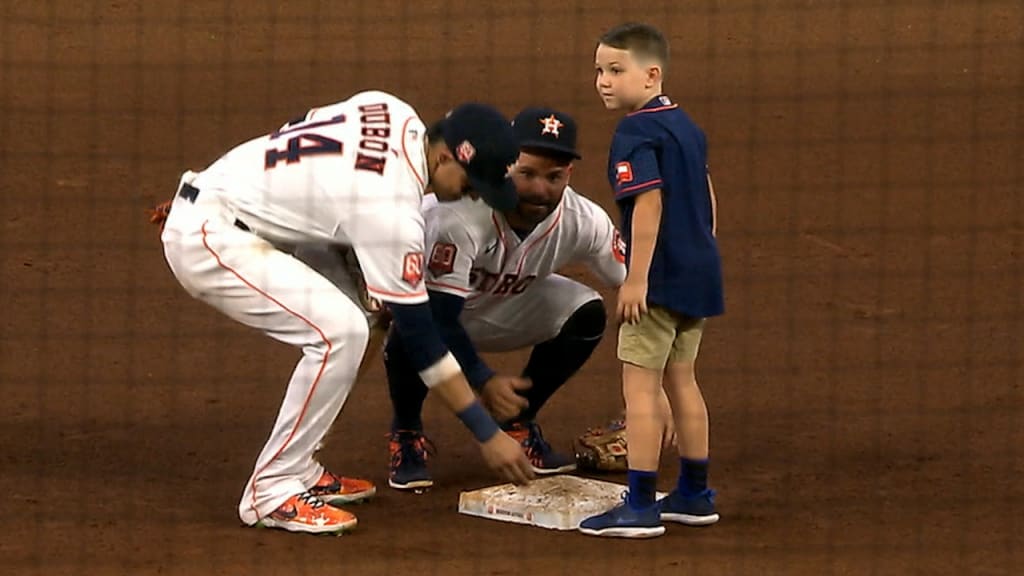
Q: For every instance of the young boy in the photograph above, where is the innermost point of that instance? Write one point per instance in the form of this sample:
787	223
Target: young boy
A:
658	169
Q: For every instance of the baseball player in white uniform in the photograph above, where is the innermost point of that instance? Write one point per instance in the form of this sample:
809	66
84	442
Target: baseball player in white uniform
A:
493	286
348	176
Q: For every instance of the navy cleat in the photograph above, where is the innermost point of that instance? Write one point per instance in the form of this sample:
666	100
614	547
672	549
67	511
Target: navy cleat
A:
695	510
625	522
543	458
410	450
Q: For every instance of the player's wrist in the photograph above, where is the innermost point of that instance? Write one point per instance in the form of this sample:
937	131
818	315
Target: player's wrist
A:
479	421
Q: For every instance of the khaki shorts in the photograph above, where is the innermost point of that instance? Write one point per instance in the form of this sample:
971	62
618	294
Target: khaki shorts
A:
660	338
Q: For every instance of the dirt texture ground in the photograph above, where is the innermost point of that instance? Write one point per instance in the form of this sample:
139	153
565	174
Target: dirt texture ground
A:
864	385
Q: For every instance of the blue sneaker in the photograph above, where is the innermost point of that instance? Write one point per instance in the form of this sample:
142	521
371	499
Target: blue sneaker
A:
625	522
696	510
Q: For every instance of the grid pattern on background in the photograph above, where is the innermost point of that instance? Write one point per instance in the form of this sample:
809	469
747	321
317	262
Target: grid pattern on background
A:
864	385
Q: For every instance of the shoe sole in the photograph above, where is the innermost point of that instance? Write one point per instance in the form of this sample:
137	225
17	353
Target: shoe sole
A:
354	498
689	519
549	471
625	532
332	530
417	486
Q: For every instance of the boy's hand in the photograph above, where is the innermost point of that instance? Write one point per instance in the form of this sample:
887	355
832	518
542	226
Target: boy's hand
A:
632	302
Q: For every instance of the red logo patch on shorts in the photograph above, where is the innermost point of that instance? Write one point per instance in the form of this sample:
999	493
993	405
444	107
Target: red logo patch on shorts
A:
623	172
412	268
442	258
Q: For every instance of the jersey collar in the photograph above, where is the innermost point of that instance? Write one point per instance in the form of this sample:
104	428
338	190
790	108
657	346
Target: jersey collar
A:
656	104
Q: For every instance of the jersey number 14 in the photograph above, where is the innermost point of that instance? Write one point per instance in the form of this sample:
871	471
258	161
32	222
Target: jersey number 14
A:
303	143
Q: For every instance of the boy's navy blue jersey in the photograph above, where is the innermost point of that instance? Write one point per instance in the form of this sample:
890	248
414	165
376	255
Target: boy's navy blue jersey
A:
660	147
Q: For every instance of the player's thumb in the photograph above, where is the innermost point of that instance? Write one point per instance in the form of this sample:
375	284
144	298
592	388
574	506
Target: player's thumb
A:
522	384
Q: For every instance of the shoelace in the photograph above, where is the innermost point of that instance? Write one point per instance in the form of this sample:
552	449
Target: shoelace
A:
535	441
312	500
414	447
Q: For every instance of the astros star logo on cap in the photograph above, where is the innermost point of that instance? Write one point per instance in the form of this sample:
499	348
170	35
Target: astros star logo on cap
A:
551	125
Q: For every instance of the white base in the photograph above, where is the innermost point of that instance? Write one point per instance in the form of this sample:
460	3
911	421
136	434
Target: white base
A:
557	502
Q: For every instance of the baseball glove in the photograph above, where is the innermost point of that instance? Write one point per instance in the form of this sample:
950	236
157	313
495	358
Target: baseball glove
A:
602	449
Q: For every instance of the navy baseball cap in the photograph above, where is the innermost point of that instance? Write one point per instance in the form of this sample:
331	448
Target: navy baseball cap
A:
482	141
546	129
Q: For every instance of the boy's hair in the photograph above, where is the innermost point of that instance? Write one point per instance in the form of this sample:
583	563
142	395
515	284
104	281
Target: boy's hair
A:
641	40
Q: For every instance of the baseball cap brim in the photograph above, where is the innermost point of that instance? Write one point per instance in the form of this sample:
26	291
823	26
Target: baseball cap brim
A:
500	198
547	145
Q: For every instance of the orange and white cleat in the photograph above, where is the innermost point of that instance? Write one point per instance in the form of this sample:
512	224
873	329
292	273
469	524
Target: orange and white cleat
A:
336	490
307	513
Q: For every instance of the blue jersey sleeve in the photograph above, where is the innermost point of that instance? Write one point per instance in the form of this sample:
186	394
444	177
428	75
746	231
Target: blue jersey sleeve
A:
633	165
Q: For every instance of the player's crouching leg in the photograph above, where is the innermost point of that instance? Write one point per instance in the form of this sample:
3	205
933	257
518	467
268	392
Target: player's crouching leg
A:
290	490
552	363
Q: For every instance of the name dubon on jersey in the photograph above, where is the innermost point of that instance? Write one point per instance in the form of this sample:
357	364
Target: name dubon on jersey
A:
350	173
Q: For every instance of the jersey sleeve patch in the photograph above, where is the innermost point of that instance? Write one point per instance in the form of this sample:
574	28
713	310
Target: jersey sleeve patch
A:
442	258
623	173
412	268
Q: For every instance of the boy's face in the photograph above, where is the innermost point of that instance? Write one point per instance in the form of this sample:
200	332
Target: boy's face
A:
621	81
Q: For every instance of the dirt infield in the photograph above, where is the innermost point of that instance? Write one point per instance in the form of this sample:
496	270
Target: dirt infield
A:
864	386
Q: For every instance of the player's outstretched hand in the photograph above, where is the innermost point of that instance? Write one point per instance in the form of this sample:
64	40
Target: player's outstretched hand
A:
506	457
632	302
500	396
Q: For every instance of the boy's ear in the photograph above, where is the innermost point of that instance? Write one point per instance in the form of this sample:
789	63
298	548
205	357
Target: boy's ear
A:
653	74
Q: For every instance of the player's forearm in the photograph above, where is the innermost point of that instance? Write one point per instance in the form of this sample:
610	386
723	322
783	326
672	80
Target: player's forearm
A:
439	369
446	309
473	366
644	234
457	395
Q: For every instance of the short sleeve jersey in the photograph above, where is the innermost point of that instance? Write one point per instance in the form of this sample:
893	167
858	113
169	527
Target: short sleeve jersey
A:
474	254
660	147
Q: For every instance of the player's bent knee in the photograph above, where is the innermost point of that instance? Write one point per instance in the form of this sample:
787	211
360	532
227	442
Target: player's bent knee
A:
587	322
346	333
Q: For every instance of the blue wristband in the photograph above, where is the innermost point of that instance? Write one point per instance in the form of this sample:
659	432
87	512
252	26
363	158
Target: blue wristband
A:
479	422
